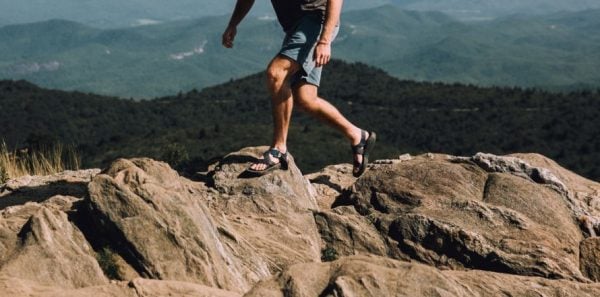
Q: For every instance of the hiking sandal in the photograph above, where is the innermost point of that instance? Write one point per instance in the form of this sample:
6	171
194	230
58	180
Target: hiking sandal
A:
271	165
363	148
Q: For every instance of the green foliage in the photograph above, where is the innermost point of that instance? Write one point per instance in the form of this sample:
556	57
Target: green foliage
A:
329	254
107	262
409	117
175	154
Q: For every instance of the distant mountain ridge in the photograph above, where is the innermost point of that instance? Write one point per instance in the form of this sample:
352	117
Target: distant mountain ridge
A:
114	13
557	51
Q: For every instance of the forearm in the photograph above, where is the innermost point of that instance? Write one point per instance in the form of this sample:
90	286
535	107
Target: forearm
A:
242	7
332	19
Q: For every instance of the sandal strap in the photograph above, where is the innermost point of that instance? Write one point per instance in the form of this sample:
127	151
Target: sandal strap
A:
359	149
277	154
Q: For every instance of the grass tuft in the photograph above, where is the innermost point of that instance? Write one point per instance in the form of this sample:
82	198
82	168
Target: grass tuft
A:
43	161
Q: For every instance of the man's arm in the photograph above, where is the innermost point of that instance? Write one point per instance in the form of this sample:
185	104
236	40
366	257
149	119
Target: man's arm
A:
332	19
242	7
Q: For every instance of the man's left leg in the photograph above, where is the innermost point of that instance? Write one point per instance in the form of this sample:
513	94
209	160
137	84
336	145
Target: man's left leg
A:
306	97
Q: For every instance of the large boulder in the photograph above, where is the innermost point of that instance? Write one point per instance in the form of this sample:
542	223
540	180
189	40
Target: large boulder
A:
377	276
38	242
228	233
459	213
12	287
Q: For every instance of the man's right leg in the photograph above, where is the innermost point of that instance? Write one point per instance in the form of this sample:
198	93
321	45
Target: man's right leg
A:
279	72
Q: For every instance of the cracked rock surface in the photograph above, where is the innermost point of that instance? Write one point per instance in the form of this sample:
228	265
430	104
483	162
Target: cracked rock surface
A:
431	225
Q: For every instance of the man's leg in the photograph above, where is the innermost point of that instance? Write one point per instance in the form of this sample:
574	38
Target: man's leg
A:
305	95
279	71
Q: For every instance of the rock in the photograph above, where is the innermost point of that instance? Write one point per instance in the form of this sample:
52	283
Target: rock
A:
590	258
348	233
377	276
10	287
431	225
14	287
271	214
155	288
228	235
458	215
581	194
25	189
39	243
331	183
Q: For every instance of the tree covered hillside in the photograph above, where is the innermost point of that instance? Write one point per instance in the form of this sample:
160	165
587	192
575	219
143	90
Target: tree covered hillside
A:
410	117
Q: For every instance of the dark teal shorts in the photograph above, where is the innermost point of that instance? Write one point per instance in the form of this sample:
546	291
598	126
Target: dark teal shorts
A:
299	45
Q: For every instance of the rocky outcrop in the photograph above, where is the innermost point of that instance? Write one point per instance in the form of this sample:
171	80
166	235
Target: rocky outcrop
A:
464	213
377	276
38	242
414	226
229	234
135	288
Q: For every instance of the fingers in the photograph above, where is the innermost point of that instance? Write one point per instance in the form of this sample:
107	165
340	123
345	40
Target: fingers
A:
227	40
322	61
322	55
228	37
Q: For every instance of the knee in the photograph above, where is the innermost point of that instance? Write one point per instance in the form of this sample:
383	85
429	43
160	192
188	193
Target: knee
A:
275	74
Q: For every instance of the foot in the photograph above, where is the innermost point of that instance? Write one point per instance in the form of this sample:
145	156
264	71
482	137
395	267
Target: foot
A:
361	149
356	138
272	159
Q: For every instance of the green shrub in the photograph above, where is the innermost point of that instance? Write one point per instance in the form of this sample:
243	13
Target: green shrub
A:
175	154
328	254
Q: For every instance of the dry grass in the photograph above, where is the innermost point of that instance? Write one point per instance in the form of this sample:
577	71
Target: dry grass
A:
55	159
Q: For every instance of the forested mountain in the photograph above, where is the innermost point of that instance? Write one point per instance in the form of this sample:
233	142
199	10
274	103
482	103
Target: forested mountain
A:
114	13
118	13
559	51
410	117
487	9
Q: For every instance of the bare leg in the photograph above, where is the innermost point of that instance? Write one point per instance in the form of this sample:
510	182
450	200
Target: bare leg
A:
278	73
305	95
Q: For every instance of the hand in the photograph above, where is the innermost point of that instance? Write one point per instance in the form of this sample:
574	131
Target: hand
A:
322	54
229	36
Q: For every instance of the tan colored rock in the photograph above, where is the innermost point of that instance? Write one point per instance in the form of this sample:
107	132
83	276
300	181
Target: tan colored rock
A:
454	214
156	288
582	195
39	243
346	232
377	276
25	189
11	287
331	183
270	216
590	258
229	235
465	217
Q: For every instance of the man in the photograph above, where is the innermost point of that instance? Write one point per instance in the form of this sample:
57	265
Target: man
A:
293	76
